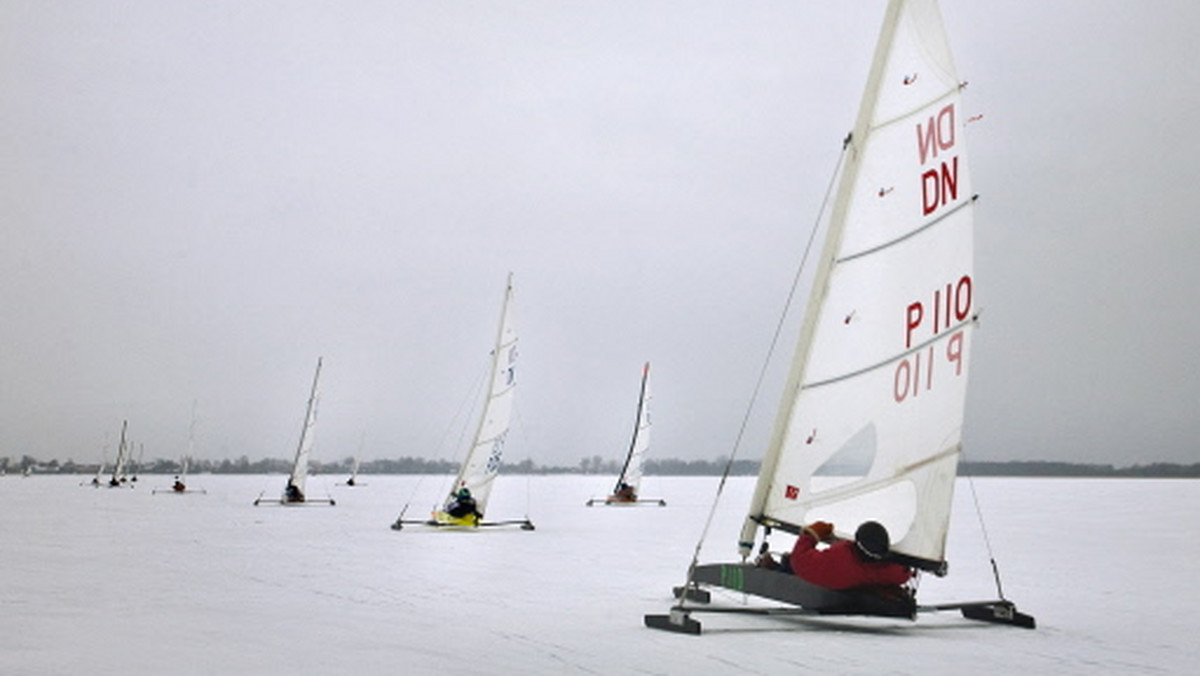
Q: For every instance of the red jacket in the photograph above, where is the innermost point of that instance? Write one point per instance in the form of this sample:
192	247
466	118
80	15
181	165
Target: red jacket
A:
839	566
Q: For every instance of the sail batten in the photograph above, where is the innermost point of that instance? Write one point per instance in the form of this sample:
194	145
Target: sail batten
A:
909	114
912	233
499	393
948	333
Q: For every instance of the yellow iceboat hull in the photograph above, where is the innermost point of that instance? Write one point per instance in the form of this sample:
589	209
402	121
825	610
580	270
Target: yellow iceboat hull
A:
443	519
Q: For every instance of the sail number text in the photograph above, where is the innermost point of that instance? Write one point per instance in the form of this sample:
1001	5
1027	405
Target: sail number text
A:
947	309
939	184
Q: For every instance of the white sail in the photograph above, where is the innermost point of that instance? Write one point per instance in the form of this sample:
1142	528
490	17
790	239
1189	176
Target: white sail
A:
118	474
878	382
304	448
482	464
631	473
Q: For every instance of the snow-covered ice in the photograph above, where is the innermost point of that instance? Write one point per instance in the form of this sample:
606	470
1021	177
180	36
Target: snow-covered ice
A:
104	581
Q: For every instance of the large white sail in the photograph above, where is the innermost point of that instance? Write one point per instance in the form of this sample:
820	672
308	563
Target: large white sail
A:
304	448
878	382
631	473
482	464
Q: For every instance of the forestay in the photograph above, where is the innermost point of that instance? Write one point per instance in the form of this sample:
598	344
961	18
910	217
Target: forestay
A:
878	382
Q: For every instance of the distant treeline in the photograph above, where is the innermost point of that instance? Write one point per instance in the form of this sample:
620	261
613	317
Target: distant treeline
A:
592	465
1072	469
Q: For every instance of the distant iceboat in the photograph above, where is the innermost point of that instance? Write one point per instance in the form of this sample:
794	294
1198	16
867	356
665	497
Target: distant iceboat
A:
627	490
180	486
353	479
95	481
294	492
118	478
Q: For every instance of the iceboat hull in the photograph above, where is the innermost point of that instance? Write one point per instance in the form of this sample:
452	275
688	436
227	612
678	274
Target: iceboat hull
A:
616	501
442	521
788	588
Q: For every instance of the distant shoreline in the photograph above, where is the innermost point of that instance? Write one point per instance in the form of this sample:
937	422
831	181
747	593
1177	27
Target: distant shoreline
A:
598	466
1158	470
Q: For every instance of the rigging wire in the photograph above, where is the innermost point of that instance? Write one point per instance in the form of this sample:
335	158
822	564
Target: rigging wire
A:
987	541
528	457
458	419
474	399
762	374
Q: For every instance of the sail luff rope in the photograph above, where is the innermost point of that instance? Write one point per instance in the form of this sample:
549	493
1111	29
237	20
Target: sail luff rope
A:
762	374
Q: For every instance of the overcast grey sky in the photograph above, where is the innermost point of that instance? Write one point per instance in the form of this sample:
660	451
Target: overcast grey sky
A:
198	199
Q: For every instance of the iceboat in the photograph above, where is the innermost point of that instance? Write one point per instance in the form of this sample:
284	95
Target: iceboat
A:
353	479
179	486
877	385
627	489
295	491
479	470
120	478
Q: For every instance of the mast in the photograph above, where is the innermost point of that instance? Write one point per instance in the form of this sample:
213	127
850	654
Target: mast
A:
853	148
304	447
638	428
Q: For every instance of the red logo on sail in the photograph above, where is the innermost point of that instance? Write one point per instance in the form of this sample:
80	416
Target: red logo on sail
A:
791	492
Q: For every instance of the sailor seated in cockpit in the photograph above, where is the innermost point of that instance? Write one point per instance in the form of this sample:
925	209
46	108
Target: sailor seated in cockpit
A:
841	564
463	505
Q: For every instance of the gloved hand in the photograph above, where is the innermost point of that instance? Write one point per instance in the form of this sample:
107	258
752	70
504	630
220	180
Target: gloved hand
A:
821	530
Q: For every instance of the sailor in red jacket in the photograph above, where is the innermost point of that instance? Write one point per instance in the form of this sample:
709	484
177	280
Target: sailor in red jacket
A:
846	564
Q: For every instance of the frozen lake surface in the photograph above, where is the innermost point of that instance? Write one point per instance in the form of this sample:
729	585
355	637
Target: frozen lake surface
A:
102	581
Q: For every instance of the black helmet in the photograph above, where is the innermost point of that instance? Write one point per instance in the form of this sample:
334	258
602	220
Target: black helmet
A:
872	539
